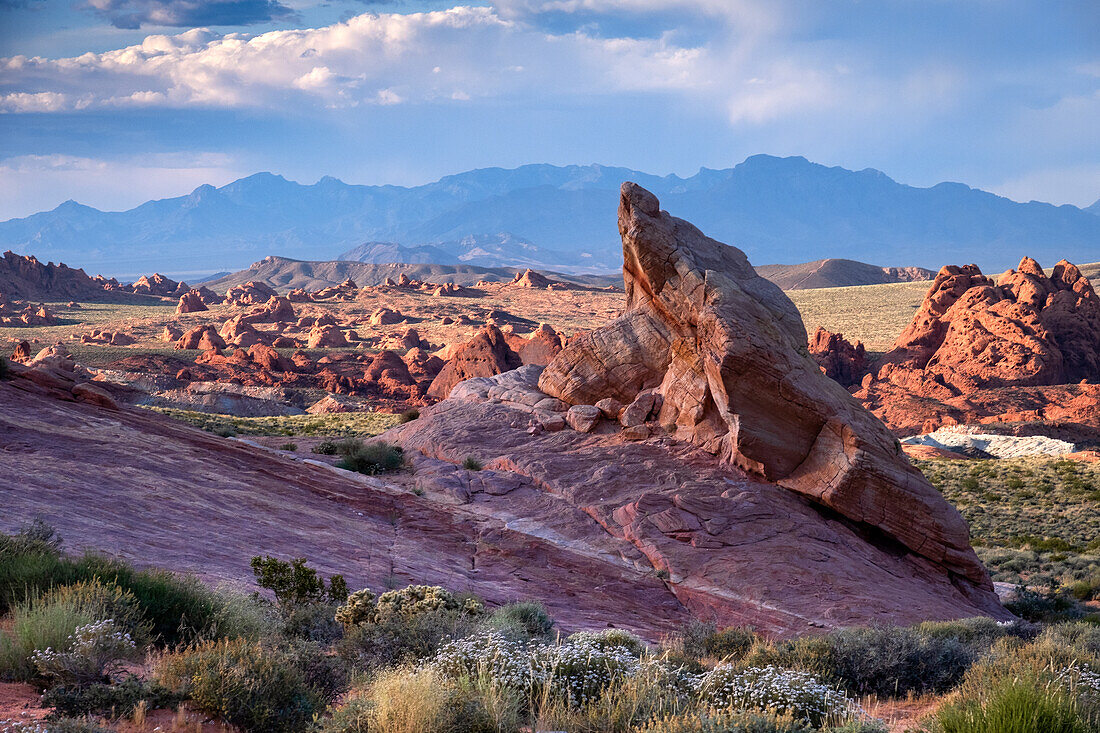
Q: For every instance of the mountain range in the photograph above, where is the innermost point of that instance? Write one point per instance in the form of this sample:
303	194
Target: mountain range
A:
562	218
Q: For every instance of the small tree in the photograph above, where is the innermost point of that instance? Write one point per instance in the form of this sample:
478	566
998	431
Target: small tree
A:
296	584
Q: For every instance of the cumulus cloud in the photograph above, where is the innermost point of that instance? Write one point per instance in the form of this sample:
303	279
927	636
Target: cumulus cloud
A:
187	13
373	59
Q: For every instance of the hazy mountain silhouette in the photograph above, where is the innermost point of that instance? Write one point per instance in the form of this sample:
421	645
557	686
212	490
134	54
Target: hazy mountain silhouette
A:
776	209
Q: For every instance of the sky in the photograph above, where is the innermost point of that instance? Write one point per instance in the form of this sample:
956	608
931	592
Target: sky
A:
114	102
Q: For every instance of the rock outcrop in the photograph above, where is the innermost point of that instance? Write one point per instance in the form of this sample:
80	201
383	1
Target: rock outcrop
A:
1026	347
250	293
703	435
191	302
838	358
483	356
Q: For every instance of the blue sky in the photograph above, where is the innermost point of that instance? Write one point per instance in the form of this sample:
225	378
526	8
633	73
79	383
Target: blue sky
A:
113	102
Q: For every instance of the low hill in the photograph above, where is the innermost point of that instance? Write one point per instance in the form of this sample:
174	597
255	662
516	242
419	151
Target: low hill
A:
837	273
285	274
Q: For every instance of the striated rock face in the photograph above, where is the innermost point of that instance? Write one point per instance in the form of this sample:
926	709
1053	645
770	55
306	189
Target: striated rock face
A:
838	358
725	349
486	354
1025	348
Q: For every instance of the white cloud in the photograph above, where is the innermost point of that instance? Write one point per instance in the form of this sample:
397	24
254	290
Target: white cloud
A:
30	183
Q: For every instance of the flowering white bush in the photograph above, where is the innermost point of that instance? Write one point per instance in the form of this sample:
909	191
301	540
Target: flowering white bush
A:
489	656
773	689
581	668
93	650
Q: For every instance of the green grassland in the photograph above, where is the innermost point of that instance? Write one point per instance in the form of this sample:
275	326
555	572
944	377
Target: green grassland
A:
873	314
346	424
1032	520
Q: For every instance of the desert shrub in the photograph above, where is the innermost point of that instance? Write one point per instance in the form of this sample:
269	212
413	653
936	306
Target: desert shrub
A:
881	660
352	716
244	683
37	625
894	661
91	653
103	601
76	725
581	669
703	639
289	447
315	622
654	690
725	721
224	431
325	448
510	665
415	600
526	618
1048	607
358	610
409	415
781	691
1082	639
418	701
397	641
1011	705
472	464
108	700
372	458
979	633
607	639
179	608
296	584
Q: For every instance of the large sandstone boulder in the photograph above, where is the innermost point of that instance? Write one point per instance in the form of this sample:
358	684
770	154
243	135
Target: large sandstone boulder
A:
483	356
725	350
190	302
250	293
201	337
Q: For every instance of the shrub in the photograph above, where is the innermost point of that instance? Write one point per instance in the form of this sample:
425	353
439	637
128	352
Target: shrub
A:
314	622
324	448
578	671
700	639
398	641
1048	607
104	601
508	664
4	370
37	625
1018	705
91	653
415	600
353	716
225	431
295	584
472	464
782	691
881	660
409	415
372	458
417	701
526	618
979	633
608	639
76	725
725	721
358	610
108	700
289	447
243	683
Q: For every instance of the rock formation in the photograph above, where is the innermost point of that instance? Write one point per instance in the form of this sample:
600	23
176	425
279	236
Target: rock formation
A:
249	293
702	435
202	338
191	302
979	351
483	356
26	278
838	358
155	284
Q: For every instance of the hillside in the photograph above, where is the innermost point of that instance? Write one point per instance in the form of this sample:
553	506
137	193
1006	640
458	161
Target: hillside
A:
833	273
777	209
285	274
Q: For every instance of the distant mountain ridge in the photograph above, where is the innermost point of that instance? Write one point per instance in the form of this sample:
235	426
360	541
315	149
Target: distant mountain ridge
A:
835	273
563	218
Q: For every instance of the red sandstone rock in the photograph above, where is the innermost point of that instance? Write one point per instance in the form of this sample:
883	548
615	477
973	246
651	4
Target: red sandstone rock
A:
530	279
326	336
726	351
22	352
838	358
250	293
201	337
541	347
155	284
485	355
385	317
190	302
